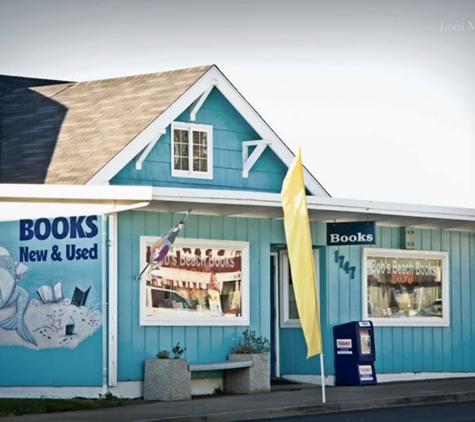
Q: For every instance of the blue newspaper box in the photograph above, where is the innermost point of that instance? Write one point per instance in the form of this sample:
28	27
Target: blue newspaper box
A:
354	353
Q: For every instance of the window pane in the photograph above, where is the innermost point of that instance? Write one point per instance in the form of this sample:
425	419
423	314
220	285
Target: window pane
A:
196	282
200	151
403	287
293	312
180	150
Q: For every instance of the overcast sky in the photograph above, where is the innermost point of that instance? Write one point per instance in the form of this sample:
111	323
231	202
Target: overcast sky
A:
380	95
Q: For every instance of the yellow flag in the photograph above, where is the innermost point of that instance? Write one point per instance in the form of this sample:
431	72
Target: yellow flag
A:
299	245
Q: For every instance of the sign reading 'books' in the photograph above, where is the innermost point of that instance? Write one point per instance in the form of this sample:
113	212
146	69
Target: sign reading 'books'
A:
352	233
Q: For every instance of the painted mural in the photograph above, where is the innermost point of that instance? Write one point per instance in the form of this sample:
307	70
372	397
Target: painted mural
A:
48	299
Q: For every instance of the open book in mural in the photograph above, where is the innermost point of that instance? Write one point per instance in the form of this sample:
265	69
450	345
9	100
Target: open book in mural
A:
51	321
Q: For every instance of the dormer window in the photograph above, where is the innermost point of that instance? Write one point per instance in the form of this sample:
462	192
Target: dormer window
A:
192	150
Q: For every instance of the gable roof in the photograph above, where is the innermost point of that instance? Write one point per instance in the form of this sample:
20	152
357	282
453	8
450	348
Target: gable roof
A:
86	132
64	134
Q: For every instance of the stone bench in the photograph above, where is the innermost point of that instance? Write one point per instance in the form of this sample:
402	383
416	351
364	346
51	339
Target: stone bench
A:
243	374
217	366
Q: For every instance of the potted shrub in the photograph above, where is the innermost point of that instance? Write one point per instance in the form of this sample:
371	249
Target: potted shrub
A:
255	379
167	378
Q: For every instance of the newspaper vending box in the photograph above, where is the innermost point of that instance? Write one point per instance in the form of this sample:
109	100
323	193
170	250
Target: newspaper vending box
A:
354	353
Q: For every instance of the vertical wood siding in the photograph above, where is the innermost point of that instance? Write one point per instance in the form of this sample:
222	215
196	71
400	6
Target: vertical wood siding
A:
203	344
398	349
292	345
229	131
411	349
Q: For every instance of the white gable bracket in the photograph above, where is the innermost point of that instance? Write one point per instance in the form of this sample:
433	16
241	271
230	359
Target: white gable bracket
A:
139	160
248	161
197	105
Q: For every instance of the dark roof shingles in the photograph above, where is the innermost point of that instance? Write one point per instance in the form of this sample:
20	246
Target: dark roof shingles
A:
65	134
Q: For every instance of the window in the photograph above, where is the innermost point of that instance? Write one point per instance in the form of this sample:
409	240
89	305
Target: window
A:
405	287
201	282
289	315
192	150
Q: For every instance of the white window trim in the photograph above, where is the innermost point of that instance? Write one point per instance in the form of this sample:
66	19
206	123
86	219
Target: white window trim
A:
243	320
209	139
285	321
409	322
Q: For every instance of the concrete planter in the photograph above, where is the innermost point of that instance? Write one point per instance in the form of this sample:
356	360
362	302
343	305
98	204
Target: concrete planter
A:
255	379
167	380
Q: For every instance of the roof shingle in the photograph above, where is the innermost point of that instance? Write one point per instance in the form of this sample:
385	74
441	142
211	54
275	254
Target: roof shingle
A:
65	134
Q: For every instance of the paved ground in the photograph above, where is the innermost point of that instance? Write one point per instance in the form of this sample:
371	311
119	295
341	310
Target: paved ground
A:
284	400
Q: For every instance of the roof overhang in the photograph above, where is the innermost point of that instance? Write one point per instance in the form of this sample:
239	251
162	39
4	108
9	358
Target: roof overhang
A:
20	201
267	205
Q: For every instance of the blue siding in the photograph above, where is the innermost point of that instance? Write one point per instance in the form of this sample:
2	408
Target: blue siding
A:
229	131
203	344
398	349
411	349
292	345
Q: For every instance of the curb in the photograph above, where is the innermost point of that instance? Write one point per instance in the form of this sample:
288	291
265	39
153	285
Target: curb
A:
321	408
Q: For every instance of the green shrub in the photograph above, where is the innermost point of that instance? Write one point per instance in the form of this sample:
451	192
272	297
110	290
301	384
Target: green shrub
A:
177	352
251	343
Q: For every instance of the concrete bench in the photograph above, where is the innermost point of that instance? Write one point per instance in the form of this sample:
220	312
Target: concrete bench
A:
242	375
235	374
220	366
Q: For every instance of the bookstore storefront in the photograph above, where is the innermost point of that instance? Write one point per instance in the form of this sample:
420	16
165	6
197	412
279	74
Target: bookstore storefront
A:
60	298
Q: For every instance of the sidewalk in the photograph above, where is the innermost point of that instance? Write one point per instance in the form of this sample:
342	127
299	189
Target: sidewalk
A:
284	400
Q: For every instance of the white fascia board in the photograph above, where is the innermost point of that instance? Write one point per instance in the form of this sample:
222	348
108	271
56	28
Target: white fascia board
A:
262	199
212	78
112	340
29	192
390	208
215	196
16	210
48	201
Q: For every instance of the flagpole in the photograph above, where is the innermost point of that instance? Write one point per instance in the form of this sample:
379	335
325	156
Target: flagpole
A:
139	277
322	371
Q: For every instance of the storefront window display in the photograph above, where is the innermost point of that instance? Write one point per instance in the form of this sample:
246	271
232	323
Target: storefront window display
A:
201	282
405	287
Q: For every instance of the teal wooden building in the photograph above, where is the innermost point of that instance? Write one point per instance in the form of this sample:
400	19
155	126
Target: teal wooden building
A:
93	173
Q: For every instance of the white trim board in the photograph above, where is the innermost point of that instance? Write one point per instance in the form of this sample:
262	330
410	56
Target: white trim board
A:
64	193
134	389
51	392
313	203
382	378
268	205
420	376
35	201
212	78
112	244
129	389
